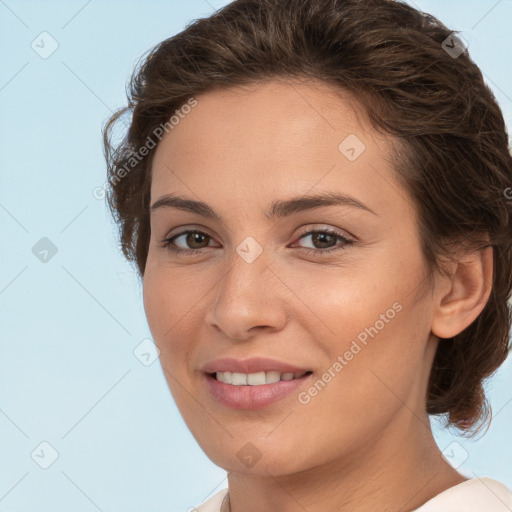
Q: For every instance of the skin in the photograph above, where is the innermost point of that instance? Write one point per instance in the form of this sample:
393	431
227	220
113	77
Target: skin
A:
364	441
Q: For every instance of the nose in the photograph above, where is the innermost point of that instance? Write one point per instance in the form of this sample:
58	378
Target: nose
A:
249	298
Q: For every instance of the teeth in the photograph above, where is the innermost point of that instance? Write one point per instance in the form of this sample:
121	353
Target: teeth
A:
255	379
239	379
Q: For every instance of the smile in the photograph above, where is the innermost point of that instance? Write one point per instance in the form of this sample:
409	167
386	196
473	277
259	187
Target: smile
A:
256	379
249	392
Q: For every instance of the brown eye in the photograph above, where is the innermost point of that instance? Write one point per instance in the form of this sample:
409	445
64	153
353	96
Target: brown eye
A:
193	239
324	241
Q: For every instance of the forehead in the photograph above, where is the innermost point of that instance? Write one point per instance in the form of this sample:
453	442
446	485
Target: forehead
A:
281	112
271	137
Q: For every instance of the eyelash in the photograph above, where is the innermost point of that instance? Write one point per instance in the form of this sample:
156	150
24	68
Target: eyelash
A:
166	243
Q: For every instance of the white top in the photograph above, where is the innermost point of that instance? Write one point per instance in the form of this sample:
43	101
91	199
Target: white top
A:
474	495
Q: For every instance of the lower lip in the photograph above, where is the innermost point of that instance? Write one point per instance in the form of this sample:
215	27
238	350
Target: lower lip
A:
253	397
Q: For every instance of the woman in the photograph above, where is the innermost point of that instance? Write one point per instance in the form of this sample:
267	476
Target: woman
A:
313	194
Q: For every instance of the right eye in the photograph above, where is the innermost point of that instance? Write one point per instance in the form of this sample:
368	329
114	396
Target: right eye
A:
191	237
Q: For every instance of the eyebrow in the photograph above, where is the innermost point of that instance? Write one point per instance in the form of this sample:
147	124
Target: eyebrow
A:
278	209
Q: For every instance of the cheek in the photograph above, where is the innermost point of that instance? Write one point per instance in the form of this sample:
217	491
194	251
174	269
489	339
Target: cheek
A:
167	296
374	321
163	310
344	301
174	302
372	367
154	302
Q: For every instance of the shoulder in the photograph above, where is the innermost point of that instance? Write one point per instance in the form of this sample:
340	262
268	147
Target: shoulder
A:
473	495
212	504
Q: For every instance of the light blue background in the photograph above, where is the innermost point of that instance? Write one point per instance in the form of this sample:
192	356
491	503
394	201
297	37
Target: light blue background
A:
69	326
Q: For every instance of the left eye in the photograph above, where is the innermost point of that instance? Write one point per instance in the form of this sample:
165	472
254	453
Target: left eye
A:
326	236
320	237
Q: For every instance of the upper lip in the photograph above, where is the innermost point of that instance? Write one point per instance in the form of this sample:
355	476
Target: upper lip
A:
252	365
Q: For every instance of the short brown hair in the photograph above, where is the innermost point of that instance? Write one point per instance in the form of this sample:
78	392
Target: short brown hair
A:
451	155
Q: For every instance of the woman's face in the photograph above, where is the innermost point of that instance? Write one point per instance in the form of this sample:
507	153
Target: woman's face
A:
346	307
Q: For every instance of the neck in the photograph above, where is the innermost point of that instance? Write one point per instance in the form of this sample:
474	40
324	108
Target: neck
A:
398	471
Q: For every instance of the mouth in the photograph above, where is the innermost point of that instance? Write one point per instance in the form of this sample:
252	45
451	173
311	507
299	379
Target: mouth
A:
250	391
258	378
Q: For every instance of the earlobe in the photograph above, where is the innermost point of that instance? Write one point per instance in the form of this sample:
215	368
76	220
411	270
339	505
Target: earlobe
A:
470	287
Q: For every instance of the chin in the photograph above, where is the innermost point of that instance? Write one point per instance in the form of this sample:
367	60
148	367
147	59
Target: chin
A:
243	455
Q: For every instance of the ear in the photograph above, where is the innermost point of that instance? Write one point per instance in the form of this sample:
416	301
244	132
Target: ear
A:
462	297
